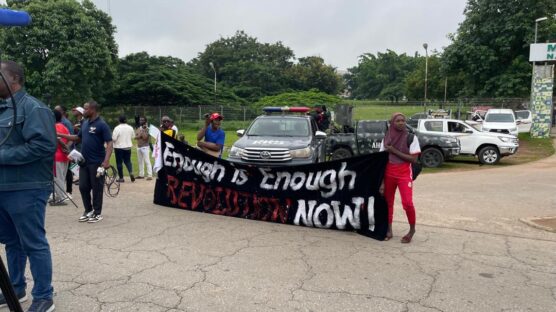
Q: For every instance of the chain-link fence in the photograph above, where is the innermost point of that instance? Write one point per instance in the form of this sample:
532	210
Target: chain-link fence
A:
192	115
180	115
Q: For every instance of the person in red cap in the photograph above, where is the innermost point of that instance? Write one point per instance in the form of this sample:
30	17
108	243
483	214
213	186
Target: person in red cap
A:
212	135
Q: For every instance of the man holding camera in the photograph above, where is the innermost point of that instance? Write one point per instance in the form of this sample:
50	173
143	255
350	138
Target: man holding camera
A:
26	161
143	158
93	134
213	136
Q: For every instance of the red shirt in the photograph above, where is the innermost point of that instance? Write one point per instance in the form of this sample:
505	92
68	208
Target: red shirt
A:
60	156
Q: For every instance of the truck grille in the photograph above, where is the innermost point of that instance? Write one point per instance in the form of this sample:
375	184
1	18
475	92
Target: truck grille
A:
266	154
506	131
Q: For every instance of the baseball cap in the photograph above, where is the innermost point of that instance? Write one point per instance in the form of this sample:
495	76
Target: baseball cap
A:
79	109
215	116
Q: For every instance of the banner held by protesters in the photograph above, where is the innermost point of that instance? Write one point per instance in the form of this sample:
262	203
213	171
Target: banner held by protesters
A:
341	194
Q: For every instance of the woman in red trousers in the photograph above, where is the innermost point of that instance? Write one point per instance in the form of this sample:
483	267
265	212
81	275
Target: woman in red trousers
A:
398	174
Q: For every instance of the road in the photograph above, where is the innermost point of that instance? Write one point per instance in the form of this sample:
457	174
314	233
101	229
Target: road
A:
470	253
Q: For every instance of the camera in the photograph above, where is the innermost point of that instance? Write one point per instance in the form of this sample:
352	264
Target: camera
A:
206	116
100	172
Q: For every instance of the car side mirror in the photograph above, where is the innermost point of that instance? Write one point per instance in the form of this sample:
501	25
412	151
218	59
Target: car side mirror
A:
518	122
240	132
467	131
320	135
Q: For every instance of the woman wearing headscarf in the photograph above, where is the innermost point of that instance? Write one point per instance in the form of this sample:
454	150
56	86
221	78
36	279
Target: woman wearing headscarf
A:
398	174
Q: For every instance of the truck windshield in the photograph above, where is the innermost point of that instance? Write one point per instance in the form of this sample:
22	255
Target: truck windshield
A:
295	127
500	118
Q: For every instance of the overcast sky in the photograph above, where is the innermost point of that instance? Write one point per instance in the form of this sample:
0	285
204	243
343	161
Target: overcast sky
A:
338	31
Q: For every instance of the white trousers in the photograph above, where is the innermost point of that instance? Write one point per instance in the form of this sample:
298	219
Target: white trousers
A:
143	159
60	179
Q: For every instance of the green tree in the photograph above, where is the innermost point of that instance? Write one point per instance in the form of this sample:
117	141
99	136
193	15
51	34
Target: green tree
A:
152	80
491	47
250	68
415	80
299	98
381	76
68	51
312	73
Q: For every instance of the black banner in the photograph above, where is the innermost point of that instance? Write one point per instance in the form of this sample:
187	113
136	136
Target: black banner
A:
341	194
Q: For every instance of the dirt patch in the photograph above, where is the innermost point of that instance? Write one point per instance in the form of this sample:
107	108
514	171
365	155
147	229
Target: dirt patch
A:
546	223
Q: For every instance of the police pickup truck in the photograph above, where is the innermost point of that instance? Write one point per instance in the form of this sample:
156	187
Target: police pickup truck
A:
280	137
368	135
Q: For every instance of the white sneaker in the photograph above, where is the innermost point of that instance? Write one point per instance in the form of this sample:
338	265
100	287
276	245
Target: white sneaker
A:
85	217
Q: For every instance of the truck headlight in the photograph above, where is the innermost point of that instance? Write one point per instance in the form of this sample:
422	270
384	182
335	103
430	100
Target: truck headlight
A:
504	139
301	153
513	129
236	152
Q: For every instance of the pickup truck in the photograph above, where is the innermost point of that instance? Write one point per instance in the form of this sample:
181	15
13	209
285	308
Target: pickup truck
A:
368	135
280	137
489	147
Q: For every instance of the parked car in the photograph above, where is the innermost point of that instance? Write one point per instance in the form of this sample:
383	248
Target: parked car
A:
489	147
524	120
368	135
279	138
500	120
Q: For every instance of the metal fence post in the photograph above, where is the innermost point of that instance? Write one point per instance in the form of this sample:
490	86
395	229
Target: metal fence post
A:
200	113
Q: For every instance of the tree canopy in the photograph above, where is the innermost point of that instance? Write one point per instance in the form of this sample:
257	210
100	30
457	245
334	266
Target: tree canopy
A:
152	80
68	52
252	69
491	47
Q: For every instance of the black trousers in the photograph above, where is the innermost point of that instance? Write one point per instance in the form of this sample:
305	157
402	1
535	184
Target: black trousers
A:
90	184
69	181
123	156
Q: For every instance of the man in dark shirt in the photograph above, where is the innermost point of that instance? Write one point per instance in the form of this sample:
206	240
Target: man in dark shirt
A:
93	134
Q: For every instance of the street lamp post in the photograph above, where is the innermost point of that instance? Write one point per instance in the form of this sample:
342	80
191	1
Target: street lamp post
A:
214	70
426	70
540	19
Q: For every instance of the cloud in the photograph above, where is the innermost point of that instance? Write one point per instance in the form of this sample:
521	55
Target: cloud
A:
338	31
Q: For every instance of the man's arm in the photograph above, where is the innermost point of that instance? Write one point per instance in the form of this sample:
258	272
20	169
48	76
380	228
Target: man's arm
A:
209	145
39	135
106	162
203	131
71	137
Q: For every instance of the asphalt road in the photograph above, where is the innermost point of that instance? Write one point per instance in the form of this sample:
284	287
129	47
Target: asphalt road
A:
470	253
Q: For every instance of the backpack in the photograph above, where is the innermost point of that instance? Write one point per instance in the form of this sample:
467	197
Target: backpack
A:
416	167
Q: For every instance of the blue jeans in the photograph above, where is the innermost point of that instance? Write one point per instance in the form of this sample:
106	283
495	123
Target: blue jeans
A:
22	215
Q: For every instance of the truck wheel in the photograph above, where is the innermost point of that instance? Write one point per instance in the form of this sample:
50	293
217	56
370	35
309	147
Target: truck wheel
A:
340	153
489	155
432	157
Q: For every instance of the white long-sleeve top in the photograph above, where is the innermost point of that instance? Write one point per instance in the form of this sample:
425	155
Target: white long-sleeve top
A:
122	136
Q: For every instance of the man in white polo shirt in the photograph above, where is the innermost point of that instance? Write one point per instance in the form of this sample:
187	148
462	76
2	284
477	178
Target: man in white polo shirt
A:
122	136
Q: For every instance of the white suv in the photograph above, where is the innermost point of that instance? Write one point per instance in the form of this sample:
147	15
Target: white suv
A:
489	147
500	121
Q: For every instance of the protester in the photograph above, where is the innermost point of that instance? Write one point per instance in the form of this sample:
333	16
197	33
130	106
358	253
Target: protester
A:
94	134
143	158
65	120
69	126
122	136
212	135
61	163
78	114
25	182
167	127
398	172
